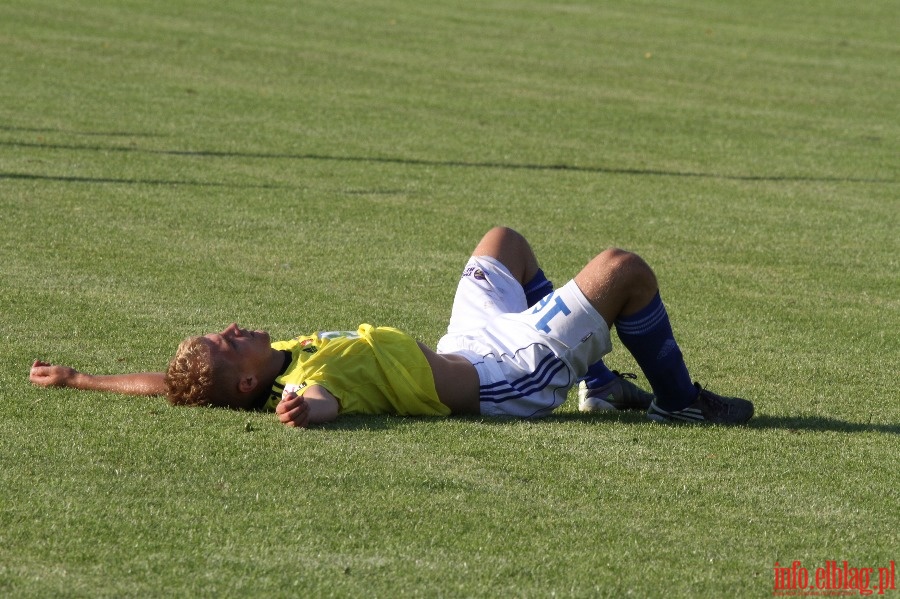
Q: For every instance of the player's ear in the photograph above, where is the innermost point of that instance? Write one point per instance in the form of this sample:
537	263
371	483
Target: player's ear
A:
247	383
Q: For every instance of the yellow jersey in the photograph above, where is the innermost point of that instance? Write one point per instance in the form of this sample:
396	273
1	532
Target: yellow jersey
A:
373	370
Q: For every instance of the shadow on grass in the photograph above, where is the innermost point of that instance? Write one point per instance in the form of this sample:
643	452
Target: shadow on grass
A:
762	421
173	182
820	424
441	163
794	424
76	132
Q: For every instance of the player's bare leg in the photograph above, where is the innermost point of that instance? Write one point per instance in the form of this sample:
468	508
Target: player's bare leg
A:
617	283
624	290
512	250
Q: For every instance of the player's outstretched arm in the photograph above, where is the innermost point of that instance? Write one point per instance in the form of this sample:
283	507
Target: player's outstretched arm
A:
44	374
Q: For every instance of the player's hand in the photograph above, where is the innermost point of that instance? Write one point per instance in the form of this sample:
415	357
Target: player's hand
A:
44	374
293	410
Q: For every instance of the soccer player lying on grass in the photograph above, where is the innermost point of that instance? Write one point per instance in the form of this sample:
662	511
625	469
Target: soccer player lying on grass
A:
514	347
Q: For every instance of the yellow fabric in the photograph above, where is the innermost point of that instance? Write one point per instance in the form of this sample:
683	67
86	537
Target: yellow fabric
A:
370	371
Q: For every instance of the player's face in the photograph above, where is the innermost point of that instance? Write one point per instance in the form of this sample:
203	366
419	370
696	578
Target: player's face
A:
244	350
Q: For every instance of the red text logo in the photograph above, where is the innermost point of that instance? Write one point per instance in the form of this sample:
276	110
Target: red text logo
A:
832	580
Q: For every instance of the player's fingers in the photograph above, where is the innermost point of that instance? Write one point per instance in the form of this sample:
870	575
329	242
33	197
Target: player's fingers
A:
288	402
286	410
301	415
38	373
285	419
39	366
296	416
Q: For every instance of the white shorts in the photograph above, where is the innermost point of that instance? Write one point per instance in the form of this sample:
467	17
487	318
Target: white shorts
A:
527	358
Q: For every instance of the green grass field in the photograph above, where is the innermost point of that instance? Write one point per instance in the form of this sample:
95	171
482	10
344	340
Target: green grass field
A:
167	168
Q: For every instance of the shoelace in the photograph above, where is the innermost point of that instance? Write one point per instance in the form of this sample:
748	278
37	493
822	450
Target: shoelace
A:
718	404
625	375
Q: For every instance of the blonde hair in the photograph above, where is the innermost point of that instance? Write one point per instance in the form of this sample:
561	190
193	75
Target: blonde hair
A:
189	377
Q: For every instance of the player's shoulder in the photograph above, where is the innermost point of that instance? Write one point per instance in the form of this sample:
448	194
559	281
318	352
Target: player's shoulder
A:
296	343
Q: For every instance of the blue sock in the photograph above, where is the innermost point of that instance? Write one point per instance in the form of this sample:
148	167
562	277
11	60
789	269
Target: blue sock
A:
648	335
537	288
598	375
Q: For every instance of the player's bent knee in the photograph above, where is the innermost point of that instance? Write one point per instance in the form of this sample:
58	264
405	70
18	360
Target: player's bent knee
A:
511	249
625	263
504	235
